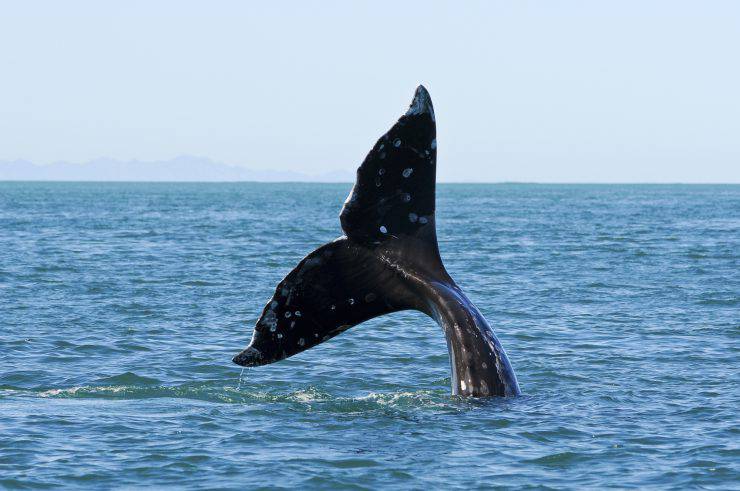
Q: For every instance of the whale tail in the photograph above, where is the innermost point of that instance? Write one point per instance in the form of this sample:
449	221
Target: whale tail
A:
387	261
388	220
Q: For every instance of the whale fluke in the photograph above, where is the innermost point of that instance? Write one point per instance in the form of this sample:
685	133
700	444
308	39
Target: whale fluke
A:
387	261
393	196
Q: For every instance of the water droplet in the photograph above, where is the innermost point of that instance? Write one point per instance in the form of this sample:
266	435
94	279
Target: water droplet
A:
351	301
434	144
241	374
287	314
381	171
413	217
378	182
370	297
273	328
383	230
397	142
297	313
406	197
280	336
301	342
407	172
422	220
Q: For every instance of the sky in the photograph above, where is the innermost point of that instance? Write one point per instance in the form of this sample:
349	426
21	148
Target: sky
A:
547	91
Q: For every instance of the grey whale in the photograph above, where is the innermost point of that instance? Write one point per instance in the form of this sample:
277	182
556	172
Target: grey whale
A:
387	261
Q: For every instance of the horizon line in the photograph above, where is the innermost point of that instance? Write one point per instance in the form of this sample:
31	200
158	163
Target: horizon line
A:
515	183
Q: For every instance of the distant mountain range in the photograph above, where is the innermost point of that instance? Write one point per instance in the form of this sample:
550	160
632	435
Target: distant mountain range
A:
181	169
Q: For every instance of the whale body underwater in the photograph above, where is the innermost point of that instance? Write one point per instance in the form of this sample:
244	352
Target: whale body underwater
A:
387	261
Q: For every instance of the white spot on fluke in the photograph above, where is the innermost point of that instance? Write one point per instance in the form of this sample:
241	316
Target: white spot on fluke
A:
434	144
287	314
462	385
383	230
270	320
280	336
297	313
407	171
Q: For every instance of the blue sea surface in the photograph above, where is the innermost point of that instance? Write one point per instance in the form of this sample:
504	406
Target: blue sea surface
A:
121	305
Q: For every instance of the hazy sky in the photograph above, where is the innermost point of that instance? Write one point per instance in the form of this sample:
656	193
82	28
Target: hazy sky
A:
643	91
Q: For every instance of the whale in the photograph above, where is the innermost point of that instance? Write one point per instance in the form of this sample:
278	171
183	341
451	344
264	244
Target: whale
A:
388	260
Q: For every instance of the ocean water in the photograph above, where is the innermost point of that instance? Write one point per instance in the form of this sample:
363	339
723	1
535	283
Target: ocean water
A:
121	306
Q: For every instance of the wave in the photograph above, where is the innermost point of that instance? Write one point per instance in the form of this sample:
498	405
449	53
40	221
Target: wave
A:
129	386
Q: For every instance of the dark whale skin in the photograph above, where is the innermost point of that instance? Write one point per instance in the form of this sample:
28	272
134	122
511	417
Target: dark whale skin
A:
388	261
